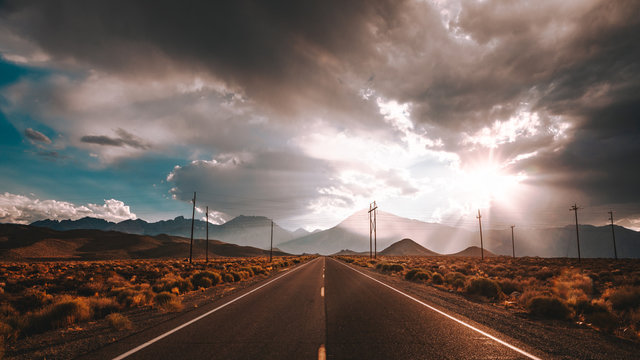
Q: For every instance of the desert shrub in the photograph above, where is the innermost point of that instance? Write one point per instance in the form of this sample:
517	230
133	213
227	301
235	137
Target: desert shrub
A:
548	307
410	274
167	301
416	275
248	270
132	297
624	298
201	282
227	277
508	286
62	313
543	274
101	306
32	299
119	322
90	289
236	276
390	267
437	279
455	279
484	287
257	270
572	286
244	274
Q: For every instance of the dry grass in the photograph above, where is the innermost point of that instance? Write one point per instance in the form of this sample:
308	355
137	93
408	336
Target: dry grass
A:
602	293
119	322
38	297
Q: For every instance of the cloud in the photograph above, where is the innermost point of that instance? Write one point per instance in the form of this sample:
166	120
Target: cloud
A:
21	209
37	136
368	91
124	139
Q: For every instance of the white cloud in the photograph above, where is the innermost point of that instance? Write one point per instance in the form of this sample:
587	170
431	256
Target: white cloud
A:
20	209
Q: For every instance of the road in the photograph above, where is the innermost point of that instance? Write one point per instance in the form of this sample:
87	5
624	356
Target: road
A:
321	309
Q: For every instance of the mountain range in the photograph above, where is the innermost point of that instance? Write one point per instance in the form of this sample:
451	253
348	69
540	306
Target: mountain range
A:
353	233
243	230
24	242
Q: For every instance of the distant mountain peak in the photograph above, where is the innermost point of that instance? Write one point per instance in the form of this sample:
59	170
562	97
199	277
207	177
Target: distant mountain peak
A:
407	247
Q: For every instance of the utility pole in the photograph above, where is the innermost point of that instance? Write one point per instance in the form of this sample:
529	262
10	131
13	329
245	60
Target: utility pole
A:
370	233
193	214
513	246
207	258
271	247
575	208
481	244
613	233
372	228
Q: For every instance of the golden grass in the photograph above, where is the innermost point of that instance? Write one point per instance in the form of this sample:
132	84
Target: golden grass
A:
602	293
37	297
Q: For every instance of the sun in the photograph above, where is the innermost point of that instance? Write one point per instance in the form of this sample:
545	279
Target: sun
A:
488	183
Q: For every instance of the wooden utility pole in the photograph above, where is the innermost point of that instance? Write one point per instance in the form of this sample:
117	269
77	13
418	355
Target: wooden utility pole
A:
271	246
372	228
481	243
613	233
513	246
370	233
193	214
575	208
207	258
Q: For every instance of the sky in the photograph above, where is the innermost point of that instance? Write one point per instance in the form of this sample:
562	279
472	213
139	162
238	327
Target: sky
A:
308	111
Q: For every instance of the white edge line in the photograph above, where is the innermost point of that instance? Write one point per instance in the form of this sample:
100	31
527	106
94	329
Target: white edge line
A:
530	356
140	347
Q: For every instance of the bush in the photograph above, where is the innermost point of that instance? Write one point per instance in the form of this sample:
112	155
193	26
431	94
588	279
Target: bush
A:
484	287
437	279
416	275
508	286
543	274
167	301
455	279
548	307
201	282
64	313
101	307
390	267
119	322
625	298
228	277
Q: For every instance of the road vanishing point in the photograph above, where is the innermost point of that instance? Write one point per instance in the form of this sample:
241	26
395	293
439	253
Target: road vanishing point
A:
322	309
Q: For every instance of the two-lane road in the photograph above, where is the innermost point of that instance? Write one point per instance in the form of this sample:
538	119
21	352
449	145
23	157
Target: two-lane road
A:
323	304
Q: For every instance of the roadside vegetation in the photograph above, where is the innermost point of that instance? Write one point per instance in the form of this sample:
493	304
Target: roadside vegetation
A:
42	296
601	293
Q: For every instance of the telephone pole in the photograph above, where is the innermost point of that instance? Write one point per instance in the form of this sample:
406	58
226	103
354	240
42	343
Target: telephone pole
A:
481	243
271	246
613	233
575	208
193	214
372	228
513	246
207	258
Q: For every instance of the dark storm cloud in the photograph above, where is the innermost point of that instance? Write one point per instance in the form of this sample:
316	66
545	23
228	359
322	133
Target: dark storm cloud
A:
37	136
280	52
124	139
572	62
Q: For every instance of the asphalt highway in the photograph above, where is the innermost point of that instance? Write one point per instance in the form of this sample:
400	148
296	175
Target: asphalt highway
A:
321	309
